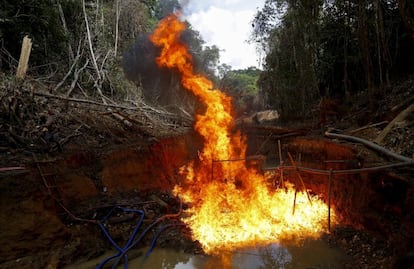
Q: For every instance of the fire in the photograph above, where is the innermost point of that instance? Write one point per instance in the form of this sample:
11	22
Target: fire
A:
232	205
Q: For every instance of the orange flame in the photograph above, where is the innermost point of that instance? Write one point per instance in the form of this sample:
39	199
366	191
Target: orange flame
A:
231	205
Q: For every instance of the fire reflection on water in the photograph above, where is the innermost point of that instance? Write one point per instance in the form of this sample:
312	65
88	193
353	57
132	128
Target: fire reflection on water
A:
311	254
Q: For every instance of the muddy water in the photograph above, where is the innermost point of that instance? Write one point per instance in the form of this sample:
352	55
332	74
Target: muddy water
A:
312	255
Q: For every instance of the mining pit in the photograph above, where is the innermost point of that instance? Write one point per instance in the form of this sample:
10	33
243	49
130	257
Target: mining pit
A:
52	206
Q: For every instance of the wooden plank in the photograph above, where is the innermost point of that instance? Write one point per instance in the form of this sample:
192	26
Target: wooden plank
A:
24	58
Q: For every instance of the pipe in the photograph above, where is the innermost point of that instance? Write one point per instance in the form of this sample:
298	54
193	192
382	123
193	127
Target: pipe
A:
134	243
339	172
120	250
370	145
154	240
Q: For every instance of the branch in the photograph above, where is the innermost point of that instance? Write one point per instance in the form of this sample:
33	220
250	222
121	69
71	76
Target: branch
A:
400	117
82	101
95	65
76	77
65	28
90	40
75	62
121	118
367	127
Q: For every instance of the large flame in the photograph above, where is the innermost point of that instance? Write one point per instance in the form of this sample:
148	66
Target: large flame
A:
231	204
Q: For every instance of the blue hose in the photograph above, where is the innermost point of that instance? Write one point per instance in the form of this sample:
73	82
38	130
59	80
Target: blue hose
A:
134	243
154	240
121	250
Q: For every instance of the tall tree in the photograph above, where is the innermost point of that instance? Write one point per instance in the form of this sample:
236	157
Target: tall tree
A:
406	8
291	47
364	42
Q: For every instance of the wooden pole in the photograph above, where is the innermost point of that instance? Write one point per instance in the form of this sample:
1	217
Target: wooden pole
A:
300	178
280	152
329	199
294	200
281	163
212	170
24	58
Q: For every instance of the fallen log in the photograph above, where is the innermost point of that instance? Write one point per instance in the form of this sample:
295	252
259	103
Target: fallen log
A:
158	201
13	168
11	171
368	126
47	95
400	117
121	118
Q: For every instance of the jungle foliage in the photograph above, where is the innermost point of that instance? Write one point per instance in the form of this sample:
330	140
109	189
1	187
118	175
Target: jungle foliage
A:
332	48
79	47
242	86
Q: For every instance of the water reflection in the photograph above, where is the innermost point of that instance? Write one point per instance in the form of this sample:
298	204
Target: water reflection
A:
312	254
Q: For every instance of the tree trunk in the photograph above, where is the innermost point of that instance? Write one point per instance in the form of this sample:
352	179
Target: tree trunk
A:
118	12
65	29
364	44
406	17
346	43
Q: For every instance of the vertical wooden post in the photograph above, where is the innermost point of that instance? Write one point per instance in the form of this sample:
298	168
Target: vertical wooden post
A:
280	163
280	152
329	199
212	170
24	58
300	178
294	200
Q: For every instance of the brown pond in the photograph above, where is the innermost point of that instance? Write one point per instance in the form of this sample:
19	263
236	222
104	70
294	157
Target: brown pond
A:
312	254
36	232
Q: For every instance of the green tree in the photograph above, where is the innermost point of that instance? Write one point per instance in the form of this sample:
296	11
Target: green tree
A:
242	86
291	47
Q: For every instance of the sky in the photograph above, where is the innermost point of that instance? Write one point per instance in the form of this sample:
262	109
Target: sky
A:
226	24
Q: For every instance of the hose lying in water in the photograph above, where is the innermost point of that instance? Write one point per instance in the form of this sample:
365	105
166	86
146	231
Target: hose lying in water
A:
154	240
111	240
124	251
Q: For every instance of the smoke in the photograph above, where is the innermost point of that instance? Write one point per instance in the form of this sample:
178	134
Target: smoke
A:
184	4
160	86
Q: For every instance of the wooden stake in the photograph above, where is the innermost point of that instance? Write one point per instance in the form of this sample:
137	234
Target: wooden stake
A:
24	58
280	152
212	170
300	178
294	200
329	199
281	163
